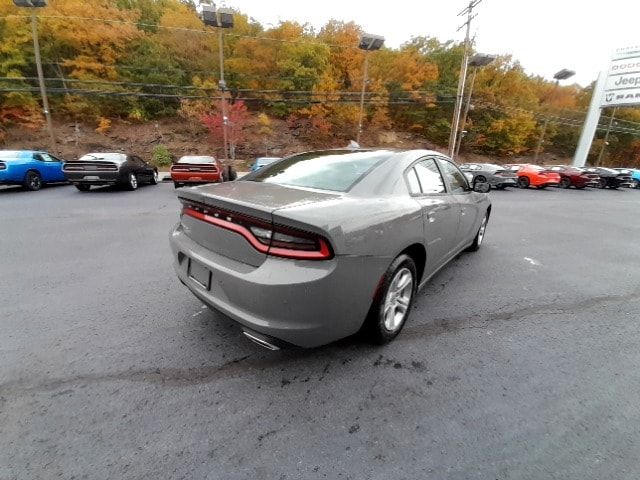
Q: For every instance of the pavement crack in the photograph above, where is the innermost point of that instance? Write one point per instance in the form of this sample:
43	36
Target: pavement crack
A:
171	377
483	321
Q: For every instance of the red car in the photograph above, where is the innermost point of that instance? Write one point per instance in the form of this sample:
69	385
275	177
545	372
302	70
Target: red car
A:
198	169
575	177
534	176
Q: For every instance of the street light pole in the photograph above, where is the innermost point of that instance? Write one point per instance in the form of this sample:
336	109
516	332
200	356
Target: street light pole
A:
561	75
477	61
606	136
223	89
364	89
368	43
222	18
32	4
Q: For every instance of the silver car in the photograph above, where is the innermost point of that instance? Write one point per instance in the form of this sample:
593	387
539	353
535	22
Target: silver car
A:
323	244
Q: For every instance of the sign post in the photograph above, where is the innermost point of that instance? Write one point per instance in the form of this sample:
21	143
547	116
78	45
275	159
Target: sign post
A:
617	87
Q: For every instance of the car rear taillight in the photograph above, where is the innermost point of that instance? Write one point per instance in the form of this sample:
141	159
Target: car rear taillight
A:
276	240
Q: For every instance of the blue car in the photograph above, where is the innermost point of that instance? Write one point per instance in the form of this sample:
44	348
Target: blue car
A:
635	176
29	168
262	161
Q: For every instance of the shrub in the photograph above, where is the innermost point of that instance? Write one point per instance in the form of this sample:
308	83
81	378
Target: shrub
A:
161	156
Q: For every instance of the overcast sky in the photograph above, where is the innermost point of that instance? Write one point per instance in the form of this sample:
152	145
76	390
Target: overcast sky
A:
544	35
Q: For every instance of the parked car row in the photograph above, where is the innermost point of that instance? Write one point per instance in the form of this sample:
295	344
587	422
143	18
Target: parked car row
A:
32	169
539	176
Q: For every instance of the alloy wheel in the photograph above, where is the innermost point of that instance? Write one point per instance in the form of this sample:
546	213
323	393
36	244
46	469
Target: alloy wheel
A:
398	299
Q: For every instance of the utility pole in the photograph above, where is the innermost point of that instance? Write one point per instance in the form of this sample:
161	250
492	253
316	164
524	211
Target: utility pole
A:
463	74
606	137
33	4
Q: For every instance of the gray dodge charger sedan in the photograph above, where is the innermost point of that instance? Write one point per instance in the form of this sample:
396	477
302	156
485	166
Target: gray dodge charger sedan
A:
318	246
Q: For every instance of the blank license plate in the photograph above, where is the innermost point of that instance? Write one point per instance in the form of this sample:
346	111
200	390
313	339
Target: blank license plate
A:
199	273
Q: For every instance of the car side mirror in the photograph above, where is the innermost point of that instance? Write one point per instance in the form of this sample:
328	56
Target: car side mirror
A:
481	187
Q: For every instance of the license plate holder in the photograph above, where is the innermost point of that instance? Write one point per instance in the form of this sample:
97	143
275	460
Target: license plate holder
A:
199	274
91	177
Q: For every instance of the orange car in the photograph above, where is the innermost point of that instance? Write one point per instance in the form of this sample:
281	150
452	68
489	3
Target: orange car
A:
534	175
195	169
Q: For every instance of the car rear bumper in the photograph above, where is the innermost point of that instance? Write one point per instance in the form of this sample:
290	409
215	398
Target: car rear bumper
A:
304	303
195	177
94	178
504	182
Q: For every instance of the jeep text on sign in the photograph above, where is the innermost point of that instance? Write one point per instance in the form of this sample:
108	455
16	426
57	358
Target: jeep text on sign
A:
623	79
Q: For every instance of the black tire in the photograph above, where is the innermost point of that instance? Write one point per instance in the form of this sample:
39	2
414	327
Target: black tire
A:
132	181
523	182
480	179
229	174
32	181
477	241
176	185
375	327
602	183
565	182
83	188
154	178
635	183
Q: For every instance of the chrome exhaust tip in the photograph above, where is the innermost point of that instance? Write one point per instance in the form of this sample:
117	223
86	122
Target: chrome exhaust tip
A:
263	342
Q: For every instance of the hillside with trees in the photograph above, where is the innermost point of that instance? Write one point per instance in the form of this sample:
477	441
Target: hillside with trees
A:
150	64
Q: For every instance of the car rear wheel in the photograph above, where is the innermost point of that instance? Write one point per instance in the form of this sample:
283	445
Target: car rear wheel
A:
229	174
176	185
523	182
602	183
32	181
83	188
477	241
565	182
154	178
393	301
132	181
635	184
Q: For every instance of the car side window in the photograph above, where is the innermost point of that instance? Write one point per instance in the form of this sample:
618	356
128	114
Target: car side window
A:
457	180
412	180
48	158
429	177
38	157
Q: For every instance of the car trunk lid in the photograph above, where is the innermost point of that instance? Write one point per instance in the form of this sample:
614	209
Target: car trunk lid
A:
234	211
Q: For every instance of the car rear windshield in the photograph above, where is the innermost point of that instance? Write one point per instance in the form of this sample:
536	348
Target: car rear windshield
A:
197	159
335	170
104	157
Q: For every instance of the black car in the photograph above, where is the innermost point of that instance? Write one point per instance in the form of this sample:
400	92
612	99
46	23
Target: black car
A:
110	169
609	177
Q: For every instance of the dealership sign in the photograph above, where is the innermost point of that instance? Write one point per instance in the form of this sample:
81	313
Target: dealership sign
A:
623	79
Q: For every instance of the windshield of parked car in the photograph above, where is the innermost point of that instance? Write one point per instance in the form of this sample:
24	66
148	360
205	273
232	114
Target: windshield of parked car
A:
334	170
104	157
196	159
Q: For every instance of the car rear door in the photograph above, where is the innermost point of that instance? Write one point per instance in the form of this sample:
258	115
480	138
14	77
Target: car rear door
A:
466	199
440	213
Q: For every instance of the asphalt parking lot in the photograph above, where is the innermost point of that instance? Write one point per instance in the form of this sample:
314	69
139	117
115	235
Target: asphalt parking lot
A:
519	361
